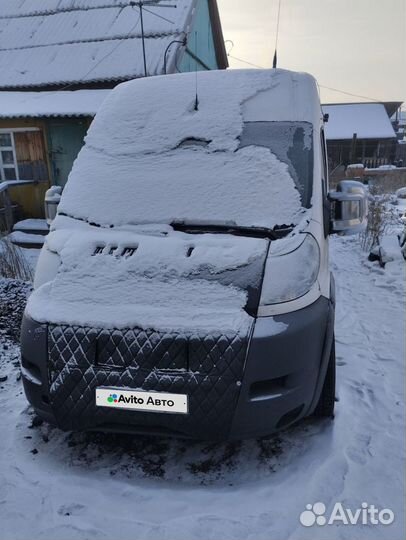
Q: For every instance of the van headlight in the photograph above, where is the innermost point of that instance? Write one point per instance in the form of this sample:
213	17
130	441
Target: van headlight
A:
47	266
291	269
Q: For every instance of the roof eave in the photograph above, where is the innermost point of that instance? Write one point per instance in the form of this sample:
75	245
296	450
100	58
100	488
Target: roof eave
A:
390	106
349	139
221	53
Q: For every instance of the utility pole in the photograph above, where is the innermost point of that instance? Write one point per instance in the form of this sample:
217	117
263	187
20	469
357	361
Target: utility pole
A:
153	3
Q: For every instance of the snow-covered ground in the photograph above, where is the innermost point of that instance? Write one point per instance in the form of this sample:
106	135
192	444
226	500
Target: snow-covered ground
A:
59	486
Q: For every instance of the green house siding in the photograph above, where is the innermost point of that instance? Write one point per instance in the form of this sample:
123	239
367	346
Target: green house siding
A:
65	139
201	42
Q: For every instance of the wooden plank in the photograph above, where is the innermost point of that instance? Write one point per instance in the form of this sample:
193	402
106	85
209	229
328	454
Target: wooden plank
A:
30	153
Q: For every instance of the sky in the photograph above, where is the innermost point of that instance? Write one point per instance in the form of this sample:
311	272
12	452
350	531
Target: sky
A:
357	46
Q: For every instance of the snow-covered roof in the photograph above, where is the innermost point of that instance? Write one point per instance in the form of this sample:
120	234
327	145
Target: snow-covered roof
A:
43	104
367	120
56	42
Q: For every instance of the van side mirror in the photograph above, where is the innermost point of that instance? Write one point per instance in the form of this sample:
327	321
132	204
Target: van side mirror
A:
349	208
52	199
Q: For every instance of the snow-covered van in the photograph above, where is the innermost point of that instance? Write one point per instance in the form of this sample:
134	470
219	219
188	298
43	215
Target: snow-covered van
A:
184	288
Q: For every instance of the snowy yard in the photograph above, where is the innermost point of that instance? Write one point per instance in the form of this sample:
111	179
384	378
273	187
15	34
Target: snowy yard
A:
64	486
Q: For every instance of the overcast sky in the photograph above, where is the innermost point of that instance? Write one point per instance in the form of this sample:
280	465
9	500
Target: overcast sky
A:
358	46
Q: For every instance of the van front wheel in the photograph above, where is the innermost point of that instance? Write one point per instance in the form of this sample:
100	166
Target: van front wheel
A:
325	406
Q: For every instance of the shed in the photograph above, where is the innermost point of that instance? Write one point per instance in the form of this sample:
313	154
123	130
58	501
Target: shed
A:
360	133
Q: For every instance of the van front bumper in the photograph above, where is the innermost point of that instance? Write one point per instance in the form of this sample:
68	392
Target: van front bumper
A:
238	387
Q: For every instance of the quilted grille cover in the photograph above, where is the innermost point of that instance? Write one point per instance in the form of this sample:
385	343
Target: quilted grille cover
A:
209	369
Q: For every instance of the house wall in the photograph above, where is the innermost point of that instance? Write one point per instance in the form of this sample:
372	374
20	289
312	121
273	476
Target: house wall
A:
204	48
65	139
46	156
370	152
32	153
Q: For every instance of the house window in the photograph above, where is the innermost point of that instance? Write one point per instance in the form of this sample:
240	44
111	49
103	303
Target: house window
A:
8	160
22	155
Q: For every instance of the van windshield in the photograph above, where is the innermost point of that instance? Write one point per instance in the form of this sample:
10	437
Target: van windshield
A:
263	179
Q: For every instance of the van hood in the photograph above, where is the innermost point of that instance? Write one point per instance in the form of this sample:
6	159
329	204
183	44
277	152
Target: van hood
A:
157	279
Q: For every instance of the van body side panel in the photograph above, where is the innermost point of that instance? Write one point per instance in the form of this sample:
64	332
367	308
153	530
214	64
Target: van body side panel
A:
282	369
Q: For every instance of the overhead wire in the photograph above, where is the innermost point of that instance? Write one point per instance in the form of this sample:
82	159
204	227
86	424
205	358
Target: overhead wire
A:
321	85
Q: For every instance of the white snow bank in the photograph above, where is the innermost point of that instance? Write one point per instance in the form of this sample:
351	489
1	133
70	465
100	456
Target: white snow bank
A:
31	224
136	168
63	103
20	237
355	166
401	193
160	286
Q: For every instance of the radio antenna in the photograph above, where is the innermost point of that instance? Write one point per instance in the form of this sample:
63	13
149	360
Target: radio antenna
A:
275	56
141	6
197	92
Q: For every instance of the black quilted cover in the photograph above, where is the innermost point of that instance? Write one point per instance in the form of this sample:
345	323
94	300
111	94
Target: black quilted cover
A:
207	368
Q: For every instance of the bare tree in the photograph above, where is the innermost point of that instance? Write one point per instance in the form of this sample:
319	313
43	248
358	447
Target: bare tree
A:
13	264
379	218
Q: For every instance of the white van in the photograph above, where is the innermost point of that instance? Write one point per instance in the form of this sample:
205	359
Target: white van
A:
184	288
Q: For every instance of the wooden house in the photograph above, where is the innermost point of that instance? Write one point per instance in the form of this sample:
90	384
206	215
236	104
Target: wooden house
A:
59	59
360	133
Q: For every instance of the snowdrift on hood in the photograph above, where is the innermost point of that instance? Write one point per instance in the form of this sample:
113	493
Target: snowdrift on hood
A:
170	283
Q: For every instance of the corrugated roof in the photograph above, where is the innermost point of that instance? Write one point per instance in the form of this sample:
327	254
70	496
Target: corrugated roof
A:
367	120
54	42
47	104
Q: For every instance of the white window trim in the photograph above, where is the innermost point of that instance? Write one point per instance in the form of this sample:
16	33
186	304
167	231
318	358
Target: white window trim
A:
12	148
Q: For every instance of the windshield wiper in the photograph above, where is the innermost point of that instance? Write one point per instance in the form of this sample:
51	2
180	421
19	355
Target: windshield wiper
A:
231	228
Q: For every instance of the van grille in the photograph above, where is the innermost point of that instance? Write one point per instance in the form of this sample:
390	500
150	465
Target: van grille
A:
208	368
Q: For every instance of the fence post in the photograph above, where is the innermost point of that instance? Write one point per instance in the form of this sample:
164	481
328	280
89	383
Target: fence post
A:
8	212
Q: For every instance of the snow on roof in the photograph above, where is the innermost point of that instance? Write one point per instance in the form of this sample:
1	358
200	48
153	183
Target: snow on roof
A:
135	167
68	41
62	103
367	120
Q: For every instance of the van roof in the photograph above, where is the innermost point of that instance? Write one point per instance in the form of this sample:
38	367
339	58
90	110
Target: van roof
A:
226	99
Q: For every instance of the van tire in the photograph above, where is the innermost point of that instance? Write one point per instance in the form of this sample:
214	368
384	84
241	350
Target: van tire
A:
325	406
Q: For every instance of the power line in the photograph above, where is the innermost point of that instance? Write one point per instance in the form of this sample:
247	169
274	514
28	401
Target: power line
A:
349	93
321	86
245	61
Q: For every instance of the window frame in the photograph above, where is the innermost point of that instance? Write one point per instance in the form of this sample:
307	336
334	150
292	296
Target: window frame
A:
324	160
12	148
